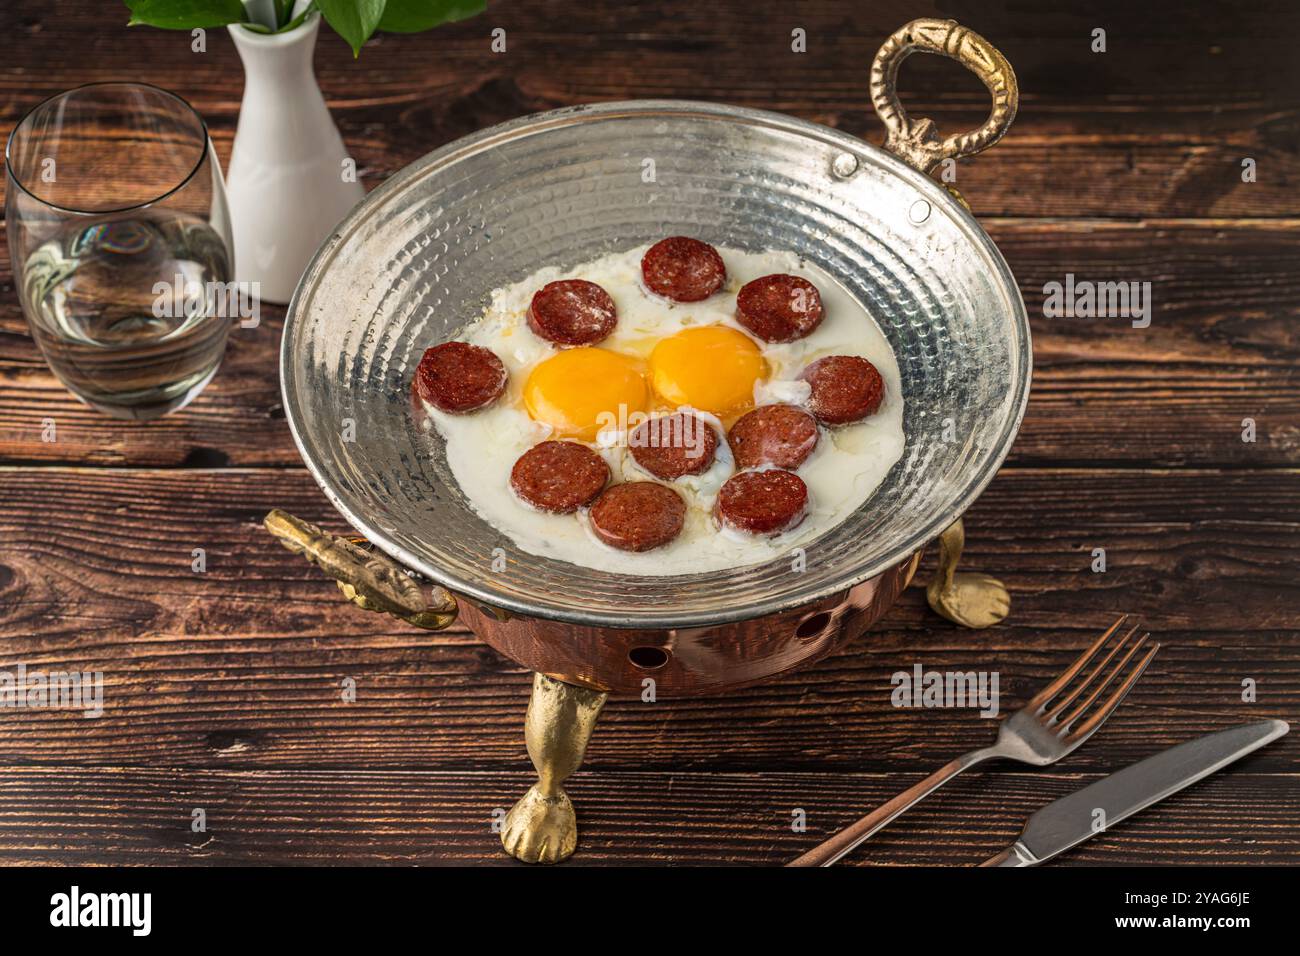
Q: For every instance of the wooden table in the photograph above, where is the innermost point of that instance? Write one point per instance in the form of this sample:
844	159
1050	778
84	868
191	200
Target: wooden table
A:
223	688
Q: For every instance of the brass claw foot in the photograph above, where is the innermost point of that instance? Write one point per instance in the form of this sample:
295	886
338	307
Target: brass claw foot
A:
967	598
542	827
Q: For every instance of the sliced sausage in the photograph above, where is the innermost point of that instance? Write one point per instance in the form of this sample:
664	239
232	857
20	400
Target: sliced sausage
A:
559	476
572	312
671	446
638	516
779	308
779	435
763	502
683	269
458	377
845	388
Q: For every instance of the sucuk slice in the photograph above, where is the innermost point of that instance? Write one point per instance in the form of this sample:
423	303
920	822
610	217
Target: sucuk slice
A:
638	516
683	269
845	388
763	502
671	446
457	377
572	312
779	435
558	476
779	308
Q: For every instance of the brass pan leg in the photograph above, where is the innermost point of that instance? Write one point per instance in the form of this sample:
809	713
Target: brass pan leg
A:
967	598
542	827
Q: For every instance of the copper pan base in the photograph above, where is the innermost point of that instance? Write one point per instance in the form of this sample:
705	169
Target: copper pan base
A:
577	667
690	661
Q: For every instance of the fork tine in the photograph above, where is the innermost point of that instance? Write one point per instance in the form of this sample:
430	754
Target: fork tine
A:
1093	722
1048	692
1109	677
1092	676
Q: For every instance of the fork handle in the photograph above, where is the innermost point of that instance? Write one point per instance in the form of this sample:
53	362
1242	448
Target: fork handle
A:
832	850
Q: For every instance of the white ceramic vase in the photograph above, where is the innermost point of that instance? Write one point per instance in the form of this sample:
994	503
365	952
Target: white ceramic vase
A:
290	179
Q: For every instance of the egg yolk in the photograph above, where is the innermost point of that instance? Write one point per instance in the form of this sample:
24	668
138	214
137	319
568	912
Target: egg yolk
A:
580	391
712	369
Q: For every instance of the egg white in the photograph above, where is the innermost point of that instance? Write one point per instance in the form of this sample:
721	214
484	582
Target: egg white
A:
847	466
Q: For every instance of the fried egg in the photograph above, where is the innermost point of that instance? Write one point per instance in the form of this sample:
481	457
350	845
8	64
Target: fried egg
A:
663	356
711	368
573	389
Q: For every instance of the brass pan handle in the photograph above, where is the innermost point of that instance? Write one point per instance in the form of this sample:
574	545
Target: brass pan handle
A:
368	579
917	142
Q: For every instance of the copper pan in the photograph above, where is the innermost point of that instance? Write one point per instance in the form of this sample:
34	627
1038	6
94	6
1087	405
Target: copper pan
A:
418	258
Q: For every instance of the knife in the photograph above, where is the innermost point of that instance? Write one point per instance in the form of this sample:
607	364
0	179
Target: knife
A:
1067	822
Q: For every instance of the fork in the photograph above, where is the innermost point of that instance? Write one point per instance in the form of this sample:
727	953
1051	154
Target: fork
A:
1034	735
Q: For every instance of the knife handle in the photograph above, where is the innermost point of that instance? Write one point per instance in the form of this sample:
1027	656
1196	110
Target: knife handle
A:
1016	855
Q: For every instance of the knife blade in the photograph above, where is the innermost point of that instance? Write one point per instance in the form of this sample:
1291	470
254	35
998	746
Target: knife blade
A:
1067	822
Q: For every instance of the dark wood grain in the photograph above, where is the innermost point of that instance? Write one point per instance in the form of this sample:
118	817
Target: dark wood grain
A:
241	665
222	689
129	815
1156	126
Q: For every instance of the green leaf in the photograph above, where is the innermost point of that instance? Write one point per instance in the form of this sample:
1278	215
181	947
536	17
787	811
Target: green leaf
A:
296	22
416	16
353	20
184	14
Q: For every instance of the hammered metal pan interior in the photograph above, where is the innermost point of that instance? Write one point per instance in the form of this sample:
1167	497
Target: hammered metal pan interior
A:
419	258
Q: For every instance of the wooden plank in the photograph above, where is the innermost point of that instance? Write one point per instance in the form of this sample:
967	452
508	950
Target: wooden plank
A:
1156	126
132	816
1220	348
241	666
1224	57
222	688
237	420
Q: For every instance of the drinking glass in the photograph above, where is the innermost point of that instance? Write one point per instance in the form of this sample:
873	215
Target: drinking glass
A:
120	241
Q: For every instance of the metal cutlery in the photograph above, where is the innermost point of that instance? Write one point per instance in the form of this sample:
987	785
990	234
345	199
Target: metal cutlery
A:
1067	822
1037	734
